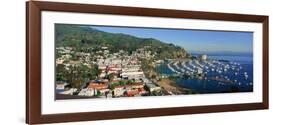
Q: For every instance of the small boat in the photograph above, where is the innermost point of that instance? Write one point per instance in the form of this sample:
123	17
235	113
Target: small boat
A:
246	77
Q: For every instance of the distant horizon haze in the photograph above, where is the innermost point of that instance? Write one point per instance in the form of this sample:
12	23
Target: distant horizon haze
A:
221	53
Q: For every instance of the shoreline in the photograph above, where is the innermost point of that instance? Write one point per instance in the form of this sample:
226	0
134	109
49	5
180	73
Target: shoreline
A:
172	87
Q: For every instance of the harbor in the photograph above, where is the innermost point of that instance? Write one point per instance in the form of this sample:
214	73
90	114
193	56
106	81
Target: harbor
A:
210	75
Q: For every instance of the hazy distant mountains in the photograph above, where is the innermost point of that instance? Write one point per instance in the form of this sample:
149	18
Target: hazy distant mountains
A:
82	36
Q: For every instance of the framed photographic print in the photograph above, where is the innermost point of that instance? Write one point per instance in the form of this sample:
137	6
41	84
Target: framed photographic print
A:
94	62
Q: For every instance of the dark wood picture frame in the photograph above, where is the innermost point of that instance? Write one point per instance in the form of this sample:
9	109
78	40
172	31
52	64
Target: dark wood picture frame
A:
33	61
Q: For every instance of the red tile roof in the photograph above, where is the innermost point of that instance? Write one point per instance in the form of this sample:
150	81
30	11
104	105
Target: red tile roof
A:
97	86
132	92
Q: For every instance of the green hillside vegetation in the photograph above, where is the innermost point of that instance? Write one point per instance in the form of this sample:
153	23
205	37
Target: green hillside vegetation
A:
86	37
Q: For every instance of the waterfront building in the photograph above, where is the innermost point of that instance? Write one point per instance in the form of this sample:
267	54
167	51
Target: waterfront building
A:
203	57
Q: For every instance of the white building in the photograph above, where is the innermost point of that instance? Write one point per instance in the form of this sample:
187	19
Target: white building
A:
152	87
69	92
203	57
119	91
86	92
132	75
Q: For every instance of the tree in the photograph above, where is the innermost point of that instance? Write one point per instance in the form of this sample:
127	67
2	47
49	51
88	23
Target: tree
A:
130	82
94	72
113	85
153	76
98	93
122	83
110	76
61	72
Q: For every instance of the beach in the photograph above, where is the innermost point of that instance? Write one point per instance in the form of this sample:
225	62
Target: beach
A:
172	87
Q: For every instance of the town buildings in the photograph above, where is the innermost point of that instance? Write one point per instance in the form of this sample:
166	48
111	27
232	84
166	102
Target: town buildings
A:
121	74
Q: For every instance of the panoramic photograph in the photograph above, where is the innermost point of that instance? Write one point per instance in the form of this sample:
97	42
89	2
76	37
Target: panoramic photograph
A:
120	62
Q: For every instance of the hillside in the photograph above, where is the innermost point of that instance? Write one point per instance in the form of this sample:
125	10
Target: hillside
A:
81	36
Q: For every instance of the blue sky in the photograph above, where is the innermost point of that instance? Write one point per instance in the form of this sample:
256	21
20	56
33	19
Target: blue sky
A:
195	41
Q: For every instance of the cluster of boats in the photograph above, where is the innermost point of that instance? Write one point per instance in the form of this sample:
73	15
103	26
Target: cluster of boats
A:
221	71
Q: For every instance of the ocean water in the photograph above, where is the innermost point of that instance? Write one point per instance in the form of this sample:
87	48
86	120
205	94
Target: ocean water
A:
213	86
240	59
